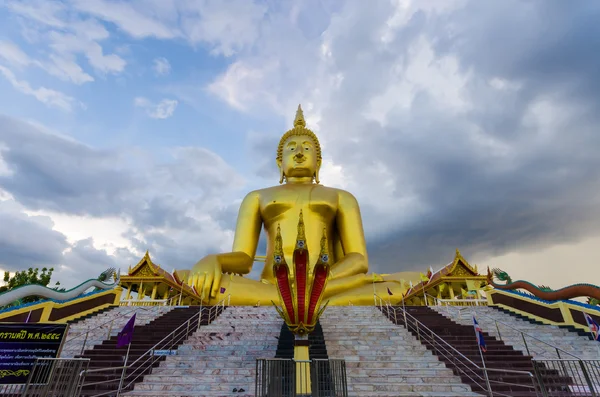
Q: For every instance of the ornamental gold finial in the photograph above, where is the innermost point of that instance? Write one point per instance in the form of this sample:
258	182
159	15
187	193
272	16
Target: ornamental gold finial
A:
299	120
301	238
278	242
324	243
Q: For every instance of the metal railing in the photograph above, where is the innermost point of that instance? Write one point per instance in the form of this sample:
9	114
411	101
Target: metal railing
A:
486	380
572	374
276	377
50	377
128	374
458	302
532	348
85	334
144	302
568	377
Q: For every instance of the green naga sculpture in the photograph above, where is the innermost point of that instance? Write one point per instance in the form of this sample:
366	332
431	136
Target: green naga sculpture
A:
543	292
16	294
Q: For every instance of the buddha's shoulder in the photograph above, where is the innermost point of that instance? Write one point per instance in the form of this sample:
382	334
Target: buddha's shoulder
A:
269	192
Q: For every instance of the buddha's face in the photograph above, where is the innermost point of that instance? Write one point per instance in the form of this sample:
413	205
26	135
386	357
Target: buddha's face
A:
299	157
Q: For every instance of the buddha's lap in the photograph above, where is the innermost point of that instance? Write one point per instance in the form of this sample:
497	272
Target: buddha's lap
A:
245	291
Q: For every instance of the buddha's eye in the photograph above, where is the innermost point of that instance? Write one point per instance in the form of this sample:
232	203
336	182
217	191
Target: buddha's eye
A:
292	149
306	148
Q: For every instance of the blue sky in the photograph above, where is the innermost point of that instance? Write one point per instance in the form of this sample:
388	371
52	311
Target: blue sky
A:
134	125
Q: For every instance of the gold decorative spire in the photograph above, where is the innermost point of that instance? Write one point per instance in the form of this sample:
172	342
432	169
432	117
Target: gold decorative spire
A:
299	120
324	254
301	238
324	243
278	251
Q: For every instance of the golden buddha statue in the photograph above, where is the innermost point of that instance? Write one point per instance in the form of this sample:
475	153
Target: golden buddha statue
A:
334	210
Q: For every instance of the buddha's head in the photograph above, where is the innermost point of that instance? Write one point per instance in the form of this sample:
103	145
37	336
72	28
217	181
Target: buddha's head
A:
299	152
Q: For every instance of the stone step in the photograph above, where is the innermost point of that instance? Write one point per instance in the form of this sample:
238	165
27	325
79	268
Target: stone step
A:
415	387
354	365
250	371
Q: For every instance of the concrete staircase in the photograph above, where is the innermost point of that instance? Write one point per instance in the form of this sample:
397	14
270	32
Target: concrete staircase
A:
383	359
499	356
106	359
105	325
570	342
218	358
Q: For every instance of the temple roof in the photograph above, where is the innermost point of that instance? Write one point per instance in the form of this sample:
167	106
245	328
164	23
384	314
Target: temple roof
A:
147	268
458	268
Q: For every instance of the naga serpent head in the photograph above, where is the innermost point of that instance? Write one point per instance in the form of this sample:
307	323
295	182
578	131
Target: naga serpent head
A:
500	275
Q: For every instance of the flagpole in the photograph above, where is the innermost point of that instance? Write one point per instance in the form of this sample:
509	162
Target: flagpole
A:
374	292
181	292
404	311
487	379
124	369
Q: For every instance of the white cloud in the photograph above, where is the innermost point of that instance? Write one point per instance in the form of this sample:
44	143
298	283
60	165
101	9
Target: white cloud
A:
81	42
13	54
67	35
131	17
4	169
161	66
95	217
242	83
67	69
227	26
45	95
107	232
161	110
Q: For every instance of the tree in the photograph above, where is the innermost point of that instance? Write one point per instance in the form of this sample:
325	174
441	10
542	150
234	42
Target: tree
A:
29	276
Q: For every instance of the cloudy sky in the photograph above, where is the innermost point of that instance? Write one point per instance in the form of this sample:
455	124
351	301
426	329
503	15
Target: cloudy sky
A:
134	125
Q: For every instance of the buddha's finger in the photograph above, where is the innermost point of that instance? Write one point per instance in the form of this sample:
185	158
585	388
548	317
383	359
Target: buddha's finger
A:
198	281
216	283
208	280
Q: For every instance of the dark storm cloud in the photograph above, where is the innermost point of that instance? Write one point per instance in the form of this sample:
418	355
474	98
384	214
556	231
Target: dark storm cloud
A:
28	241
178	210
545	190
53	173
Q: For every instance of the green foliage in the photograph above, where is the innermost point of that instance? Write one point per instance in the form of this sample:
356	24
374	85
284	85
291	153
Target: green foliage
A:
502	275
26	277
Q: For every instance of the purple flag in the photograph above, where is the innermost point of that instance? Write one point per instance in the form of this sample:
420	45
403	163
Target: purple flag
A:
124	337
479	335
222	290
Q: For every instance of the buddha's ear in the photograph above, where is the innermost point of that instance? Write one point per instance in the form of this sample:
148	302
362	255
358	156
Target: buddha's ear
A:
281	174
317	171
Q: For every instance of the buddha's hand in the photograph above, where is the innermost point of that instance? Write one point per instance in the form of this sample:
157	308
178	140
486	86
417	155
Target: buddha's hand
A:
206	276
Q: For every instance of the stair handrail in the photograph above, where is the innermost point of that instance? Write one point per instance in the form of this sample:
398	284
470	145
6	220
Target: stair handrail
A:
476	301
211	316
450	352
175	336
523	334
88	329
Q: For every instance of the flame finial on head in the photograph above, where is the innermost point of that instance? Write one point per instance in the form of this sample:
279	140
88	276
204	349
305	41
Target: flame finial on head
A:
299	120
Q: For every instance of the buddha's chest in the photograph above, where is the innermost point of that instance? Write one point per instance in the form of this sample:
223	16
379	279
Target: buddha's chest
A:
284	205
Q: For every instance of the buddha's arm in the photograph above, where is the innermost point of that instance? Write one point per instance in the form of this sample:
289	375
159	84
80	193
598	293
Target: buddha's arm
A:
247	233
206	274
350	229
